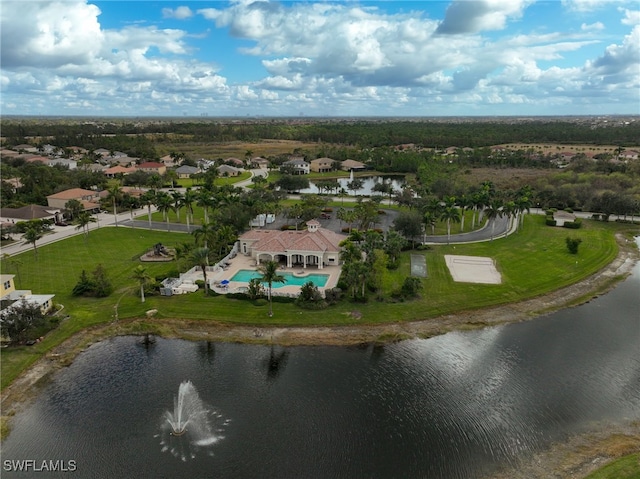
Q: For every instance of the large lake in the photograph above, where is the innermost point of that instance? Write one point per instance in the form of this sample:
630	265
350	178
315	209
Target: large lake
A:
454	406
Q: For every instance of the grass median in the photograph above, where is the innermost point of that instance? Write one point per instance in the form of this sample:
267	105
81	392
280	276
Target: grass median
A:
532	262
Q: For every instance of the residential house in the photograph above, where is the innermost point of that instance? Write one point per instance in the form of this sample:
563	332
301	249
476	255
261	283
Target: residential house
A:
227	170
12	296
121	160
259	162
314	246
118	170
321	165
8	285
297	166
102	152
29	212
90	199
352	165
153	167
186	171
25	147
68	162
14	183
235	162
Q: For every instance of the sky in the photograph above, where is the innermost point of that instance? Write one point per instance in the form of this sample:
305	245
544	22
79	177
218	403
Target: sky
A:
320	58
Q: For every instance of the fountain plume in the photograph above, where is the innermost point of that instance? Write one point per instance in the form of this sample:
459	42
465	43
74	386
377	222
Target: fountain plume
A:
191	424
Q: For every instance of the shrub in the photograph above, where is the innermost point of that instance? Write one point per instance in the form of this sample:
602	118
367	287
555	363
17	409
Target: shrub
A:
573	244
411	287
550	221
574	225
333	295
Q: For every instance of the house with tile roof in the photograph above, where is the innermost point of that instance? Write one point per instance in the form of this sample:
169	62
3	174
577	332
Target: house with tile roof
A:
90	199
349	165
27	213
228	170
153	167
322	165
314	246
186	171
118	170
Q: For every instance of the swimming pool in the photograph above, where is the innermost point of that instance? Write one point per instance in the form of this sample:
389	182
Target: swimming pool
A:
246	275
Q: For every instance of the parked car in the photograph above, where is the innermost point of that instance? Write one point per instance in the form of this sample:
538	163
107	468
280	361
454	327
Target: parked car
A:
325	216
61	223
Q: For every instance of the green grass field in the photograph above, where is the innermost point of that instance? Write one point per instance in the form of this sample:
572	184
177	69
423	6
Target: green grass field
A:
627	467
532	262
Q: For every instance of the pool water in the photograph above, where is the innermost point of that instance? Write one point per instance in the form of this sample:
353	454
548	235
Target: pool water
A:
246	275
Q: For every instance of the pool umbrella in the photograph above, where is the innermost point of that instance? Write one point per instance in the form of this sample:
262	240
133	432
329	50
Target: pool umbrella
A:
224	282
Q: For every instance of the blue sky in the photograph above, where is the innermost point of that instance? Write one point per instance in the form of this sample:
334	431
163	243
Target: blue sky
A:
348	58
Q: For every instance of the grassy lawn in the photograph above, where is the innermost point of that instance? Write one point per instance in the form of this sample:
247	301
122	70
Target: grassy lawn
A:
532	262
627	467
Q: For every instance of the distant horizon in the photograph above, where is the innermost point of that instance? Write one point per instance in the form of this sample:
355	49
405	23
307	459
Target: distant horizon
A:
319	58
309	117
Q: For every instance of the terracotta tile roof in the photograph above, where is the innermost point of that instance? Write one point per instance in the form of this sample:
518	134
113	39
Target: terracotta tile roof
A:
72	193
273	240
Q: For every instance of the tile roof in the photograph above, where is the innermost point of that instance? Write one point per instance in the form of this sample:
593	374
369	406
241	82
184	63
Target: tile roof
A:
29	212
73	193
273	240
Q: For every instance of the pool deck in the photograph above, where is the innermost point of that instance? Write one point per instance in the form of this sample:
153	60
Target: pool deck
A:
247	262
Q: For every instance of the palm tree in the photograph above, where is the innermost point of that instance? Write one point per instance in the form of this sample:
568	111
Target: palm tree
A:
205	236
177	198
115	194
73	207
188	200
449	214
355	185
164	204
493	211
142	277
205	200
82	220
429	219
200	256
269	271
31	235
464	202
149	198
171	176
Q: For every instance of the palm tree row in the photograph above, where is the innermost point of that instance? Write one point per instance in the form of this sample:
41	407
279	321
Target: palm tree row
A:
486	203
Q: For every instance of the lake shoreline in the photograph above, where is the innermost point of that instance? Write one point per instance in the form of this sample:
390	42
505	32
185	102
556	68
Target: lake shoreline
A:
26	387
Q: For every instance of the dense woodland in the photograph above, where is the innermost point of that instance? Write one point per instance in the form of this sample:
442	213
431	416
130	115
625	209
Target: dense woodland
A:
411	148
362	134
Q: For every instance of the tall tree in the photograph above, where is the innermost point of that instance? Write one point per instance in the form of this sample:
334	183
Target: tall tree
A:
200	256
190	197
493	211
115	195
72	208
269	271
82	221
32	234
164	204
142	277
177	199
205	236
449	214
148	198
